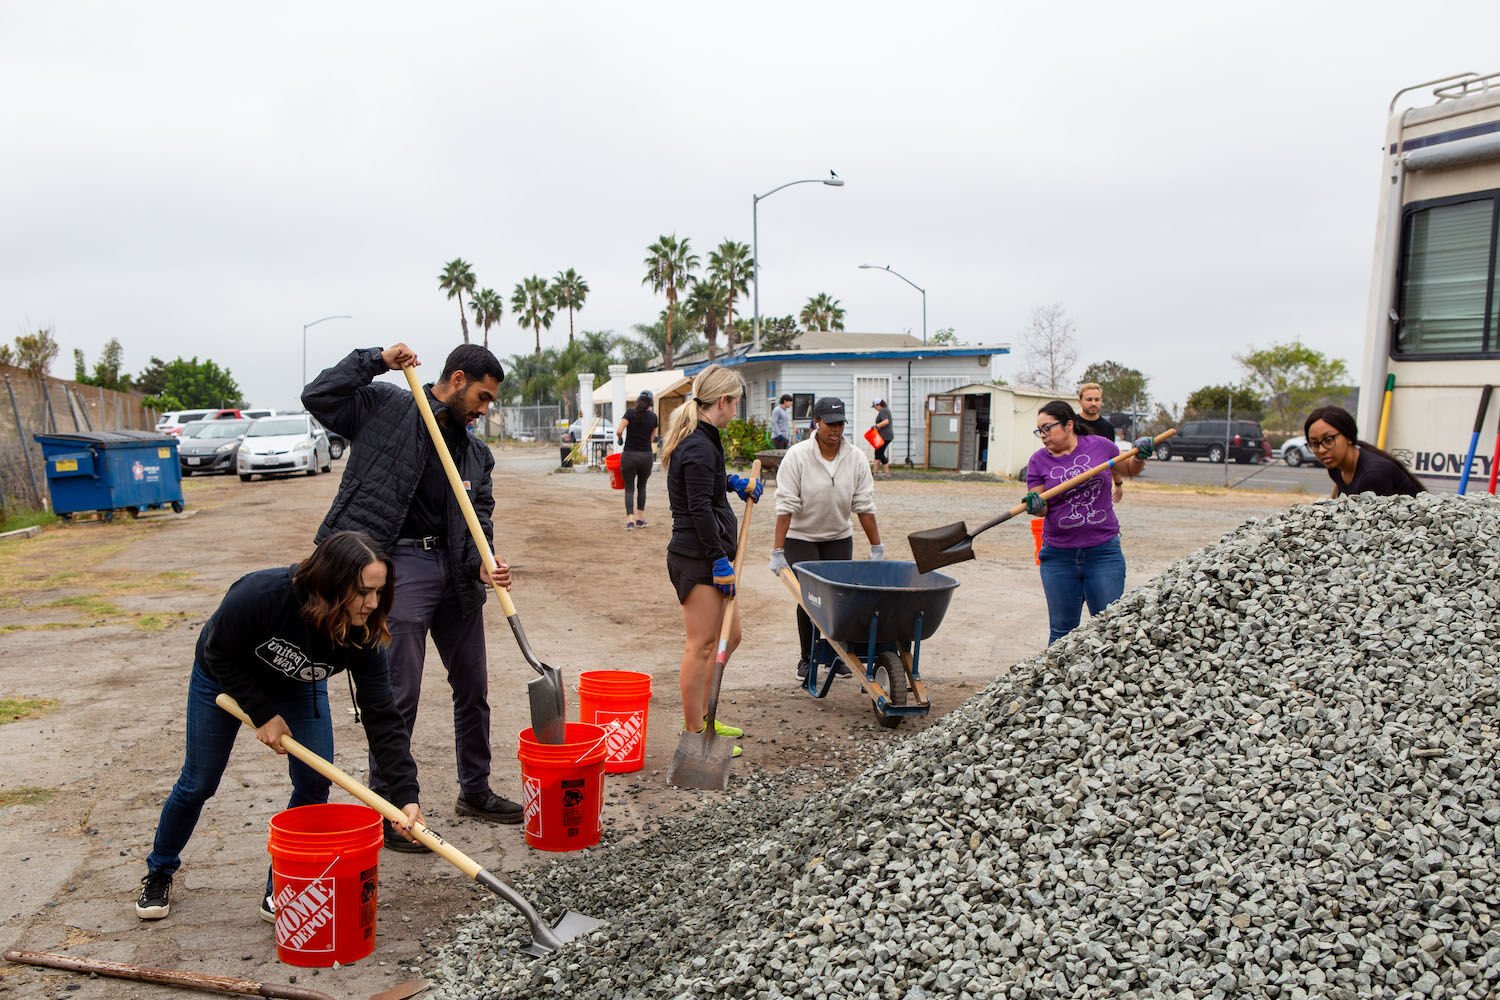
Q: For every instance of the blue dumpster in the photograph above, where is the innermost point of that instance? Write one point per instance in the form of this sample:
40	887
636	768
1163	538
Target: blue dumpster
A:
108	471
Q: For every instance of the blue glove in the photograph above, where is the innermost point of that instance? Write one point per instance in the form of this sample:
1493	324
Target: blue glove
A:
1035	505
1145	446
742	486
724	577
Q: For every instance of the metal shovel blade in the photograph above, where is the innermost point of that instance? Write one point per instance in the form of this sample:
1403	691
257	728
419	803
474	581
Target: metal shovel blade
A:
548	714
572	925
702	761
938	547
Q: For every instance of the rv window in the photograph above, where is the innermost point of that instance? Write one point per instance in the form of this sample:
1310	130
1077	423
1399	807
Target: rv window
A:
1448	259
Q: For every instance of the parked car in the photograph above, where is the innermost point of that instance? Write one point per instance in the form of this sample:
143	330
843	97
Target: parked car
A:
1210	438
283	446
1296	452
337	443
258	413
210	445
173	421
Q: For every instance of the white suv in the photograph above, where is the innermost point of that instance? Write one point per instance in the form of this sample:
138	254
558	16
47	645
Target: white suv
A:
173	421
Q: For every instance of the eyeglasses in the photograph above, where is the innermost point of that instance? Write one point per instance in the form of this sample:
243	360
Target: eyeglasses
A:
1046	429
1323	443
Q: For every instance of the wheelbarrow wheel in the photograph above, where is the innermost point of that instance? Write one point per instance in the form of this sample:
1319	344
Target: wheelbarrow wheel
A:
890	674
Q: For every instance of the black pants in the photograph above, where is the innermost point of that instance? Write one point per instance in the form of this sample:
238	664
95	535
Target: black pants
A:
796	550
635	468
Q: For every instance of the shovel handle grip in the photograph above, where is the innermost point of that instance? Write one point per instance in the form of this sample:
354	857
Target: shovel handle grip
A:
454	480
437	845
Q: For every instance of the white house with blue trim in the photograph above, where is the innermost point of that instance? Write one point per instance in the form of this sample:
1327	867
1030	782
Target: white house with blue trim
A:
901	371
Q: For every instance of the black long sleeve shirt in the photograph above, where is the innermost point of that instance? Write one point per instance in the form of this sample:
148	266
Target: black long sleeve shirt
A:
259	649
703	523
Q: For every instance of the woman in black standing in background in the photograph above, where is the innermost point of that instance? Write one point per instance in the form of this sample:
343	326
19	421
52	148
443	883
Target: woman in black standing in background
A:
636	429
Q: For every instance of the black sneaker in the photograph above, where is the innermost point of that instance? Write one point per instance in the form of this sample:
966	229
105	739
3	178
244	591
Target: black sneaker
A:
155	900
802	670
841	669
491	808
395	842
267	909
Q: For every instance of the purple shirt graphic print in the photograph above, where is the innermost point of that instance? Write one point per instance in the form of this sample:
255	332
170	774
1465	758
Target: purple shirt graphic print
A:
1085	515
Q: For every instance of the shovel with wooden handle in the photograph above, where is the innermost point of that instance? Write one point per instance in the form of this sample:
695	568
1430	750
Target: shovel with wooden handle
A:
545	691
954	543
702	759
544	939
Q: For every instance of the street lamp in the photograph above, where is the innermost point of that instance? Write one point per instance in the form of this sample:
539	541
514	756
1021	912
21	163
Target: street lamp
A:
832	180
887	267
304	342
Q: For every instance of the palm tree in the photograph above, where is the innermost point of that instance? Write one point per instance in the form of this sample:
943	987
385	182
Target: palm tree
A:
569	291
729	265
822	312
457	278
705	308
532	304
669	268
529	378
487	307
652	343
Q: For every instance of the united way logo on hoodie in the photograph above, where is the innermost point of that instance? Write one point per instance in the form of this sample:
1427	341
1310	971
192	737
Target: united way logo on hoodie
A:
285	658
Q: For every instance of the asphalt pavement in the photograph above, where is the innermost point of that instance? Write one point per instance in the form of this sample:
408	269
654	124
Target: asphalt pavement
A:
1275	475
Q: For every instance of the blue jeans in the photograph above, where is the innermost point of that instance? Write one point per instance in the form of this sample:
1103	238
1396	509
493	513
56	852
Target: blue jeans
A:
210	737
1073	577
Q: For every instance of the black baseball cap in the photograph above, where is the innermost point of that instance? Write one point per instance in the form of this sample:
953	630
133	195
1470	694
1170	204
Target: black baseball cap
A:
830	410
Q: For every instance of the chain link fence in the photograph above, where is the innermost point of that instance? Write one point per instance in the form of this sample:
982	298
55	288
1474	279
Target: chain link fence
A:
528	423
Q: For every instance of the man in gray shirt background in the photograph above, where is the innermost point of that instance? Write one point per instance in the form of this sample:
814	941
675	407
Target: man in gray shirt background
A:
781	423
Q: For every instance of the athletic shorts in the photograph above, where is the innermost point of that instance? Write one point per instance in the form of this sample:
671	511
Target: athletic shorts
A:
686	572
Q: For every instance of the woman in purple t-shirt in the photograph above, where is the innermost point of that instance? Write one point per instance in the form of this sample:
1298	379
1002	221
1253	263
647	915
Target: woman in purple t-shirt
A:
1081	558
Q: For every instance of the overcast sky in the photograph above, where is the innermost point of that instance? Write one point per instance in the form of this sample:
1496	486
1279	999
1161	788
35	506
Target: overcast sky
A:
1187	181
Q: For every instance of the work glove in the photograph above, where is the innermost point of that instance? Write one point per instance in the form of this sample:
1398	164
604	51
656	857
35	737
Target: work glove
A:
748	489
778	561
724	576
1035	505
1145	446
877	552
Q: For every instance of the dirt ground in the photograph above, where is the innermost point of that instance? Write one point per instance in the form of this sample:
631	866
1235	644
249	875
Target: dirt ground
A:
103	618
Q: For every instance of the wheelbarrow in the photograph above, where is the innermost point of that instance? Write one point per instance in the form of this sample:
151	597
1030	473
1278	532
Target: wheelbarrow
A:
882	609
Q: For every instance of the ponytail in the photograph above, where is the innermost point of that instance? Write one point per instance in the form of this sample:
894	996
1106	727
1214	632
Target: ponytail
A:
713	384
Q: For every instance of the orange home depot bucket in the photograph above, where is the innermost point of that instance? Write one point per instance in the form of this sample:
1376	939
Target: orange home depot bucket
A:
617	701
612	463
562	788
323	883
1036	534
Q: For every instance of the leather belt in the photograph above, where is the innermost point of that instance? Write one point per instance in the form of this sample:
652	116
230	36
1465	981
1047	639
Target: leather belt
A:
426	544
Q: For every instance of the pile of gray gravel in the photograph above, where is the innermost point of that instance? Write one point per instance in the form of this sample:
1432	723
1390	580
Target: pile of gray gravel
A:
1269	772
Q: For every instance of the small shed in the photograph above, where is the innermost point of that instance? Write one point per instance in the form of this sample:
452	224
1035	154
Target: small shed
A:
669	388
904	376
982	427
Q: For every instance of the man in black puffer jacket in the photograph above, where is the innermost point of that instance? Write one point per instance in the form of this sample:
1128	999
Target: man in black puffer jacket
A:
395	490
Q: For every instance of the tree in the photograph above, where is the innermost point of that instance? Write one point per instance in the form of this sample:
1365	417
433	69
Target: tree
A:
457	278
487	307
584	355
651	344
153	379
1121	386
1049	350
569	291
106	370
944	336
1214	401
822	312
533	306
194	384
670	264
34	352
1293	378
730	267
779	333
529	378
705	307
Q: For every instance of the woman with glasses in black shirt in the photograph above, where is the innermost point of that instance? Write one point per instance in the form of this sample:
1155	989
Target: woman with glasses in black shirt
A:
1355	466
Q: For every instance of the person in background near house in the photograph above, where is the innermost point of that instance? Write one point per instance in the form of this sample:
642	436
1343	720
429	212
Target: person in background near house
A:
1355	466
1090	403
1081	561
274	641
636	430
885	425
781	423
819	483
700	554
396	490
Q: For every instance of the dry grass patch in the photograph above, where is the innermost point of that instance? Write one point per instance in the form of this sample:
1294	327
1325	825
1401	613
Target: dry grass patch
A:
25	795
16	709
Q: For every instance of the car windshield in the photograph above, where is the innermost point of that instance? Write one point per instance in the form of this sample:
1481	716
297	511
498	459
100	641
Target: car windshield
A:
273	427
196	428
221	429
